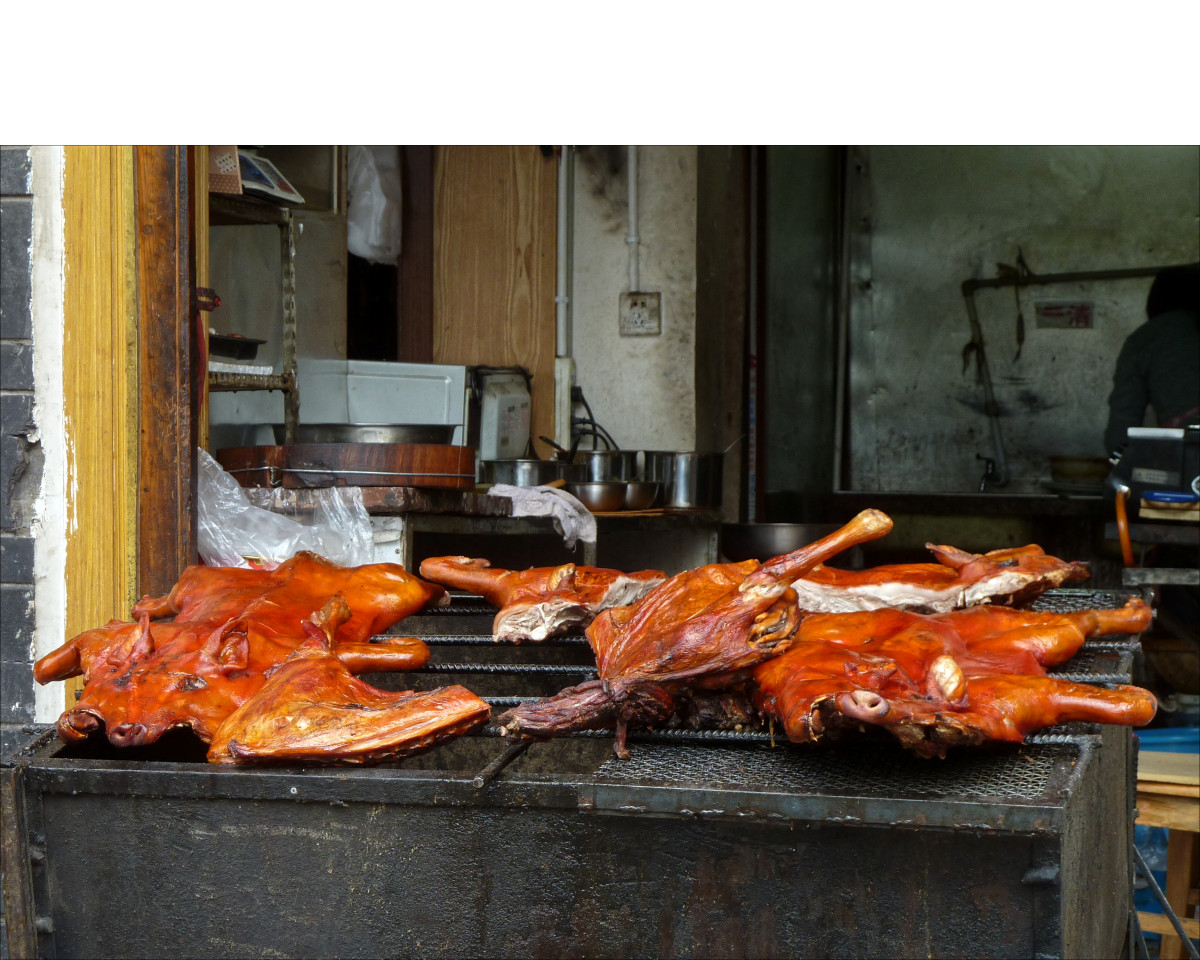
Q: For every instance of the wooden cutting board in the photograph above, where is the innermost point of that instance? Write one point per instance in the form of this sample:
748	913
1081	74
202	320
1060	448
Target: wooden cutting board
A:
304	465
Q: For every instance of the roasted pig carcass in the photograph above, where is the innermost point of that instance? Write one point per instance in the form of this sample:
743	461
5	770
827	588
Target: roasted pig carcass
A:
543	601
940	680
703	629
230	627
312	710
959	579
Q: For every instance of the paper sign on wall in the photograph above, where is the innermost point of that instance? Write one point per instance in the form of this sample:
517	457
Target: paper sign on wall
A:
1064	314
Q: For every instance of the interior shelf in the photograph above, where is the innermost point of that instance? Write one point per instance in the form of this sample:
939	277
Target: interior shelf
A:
225	210
251	381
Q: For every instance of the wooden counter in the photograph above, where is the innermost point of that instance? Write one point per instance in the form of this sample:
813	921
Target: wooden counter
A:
1168	795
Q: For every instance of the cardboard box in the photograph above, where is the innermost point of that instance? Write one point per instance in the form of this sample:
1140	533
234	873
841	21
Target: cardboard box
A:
224	174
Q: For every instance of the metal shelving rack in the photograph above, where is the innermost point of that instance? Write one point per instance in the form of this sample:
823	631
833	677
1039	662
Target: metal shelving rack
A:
231	211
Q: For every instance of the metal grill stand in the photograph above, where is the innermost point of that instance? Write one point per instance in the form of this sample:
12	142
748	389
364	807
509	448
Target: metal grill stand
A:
699	845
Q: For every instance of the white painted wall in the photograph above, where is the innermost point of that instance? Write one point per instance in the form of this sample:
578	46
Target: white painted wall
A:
50	519
641	389
946	214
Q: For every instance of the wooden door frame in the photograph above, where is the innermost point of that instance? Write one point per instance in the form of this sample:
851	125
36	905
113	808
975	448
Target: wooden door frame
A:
170	387
130	390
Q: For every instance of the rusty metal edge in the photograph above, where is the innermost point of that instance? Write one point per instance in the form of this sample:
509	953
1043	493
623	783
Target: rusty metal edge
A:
19	913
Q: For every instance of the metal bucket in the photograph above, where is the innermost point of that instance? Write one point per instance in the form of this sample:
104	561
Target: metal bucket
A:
601	466
690	480
520	473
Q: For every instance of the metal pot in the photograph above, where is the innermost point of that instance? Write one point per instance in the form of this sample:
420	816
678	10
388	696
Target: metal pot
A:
690	480
520	473
601	466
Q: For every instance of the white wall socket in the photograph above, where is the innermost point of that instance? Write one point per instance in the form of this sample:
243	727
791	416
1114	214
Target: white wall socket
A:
641	314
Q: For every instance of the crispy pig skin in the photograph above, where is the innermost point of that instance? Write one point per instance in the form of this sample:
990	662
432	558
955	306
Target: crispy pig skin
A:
941	680
541	602
231	627
311	710
958	579
700	628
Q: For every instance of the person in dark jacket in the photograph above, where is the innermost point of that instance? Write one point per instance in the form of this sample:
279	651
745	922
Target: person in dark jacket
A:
1159	363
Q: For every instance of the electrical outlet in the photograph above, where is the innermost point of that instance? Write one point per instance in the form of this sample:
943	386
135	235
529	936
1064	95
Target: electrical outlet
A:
641	314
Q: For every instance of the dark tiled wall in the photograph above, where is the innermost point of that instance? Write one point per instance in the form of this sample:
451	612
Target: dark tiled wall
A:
20	455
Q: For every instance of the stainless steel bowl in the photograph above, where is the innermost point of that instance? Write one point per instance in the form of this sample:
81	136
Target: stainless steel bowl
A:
641	494
599	496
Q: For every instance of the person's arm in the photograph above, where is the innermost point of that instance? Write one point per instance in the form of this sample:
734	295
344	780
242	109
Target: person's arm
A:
1129	398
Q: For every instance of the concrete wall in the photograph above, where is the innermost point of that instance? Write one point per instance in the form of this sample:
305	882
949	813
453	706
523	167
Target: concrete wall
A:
941	215
641	389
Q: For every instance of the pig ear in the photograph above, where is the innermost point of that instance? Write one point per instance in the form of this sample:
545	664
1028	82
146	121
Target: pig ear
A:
228	646
324	623
143	648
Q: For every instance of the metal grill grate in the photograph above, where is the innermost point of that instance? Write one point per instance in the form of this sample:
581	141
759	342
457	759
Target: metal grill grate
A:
1027	775
1072	600
487	640
1090	665
461	604
1032	773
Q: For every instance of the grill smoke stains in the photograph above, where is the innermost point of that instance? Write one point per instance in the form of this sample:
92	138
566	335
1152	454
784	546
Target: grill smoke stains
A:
605	173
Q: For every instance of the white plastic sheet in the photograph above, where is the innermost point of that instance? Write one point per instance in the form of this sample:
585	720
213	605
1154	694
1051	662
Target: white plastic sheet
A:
373	216
236	528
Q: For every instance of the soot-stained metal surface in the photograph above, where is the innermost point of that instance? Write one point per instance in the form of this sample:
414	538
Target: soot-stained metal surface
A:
704	846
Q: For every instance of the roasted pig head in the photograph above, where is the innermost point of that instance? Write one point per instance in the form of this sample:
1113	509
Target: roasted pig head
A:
231	627
701	629
941	680
311	710
543	601
959	579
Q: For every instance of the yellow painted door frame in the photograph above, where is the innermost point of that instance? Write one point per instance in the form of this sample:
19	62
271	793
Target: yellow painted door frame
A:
100	397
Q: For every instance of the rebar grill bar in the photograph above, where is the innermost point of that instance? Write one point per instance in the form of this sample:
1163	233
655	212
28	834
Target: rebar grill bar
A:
487	640
529	669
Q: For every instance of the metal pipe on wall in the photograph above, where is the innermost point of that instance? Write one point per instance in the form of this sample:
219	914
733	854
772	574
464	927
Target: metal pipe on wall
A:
565	258
992	409
1042	279
632	238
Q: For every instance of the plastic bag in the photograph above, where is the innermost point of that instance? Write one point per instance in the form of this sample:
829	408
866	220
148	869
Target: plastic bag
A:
373	217
236	529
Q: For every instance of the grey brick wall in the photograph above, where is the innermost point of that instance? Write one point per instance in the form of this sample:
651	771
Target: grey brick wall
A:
20	455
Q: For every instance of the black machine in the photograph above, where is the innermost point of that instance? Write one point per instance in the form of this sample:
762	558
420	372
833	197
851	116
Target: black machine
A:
1160	467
